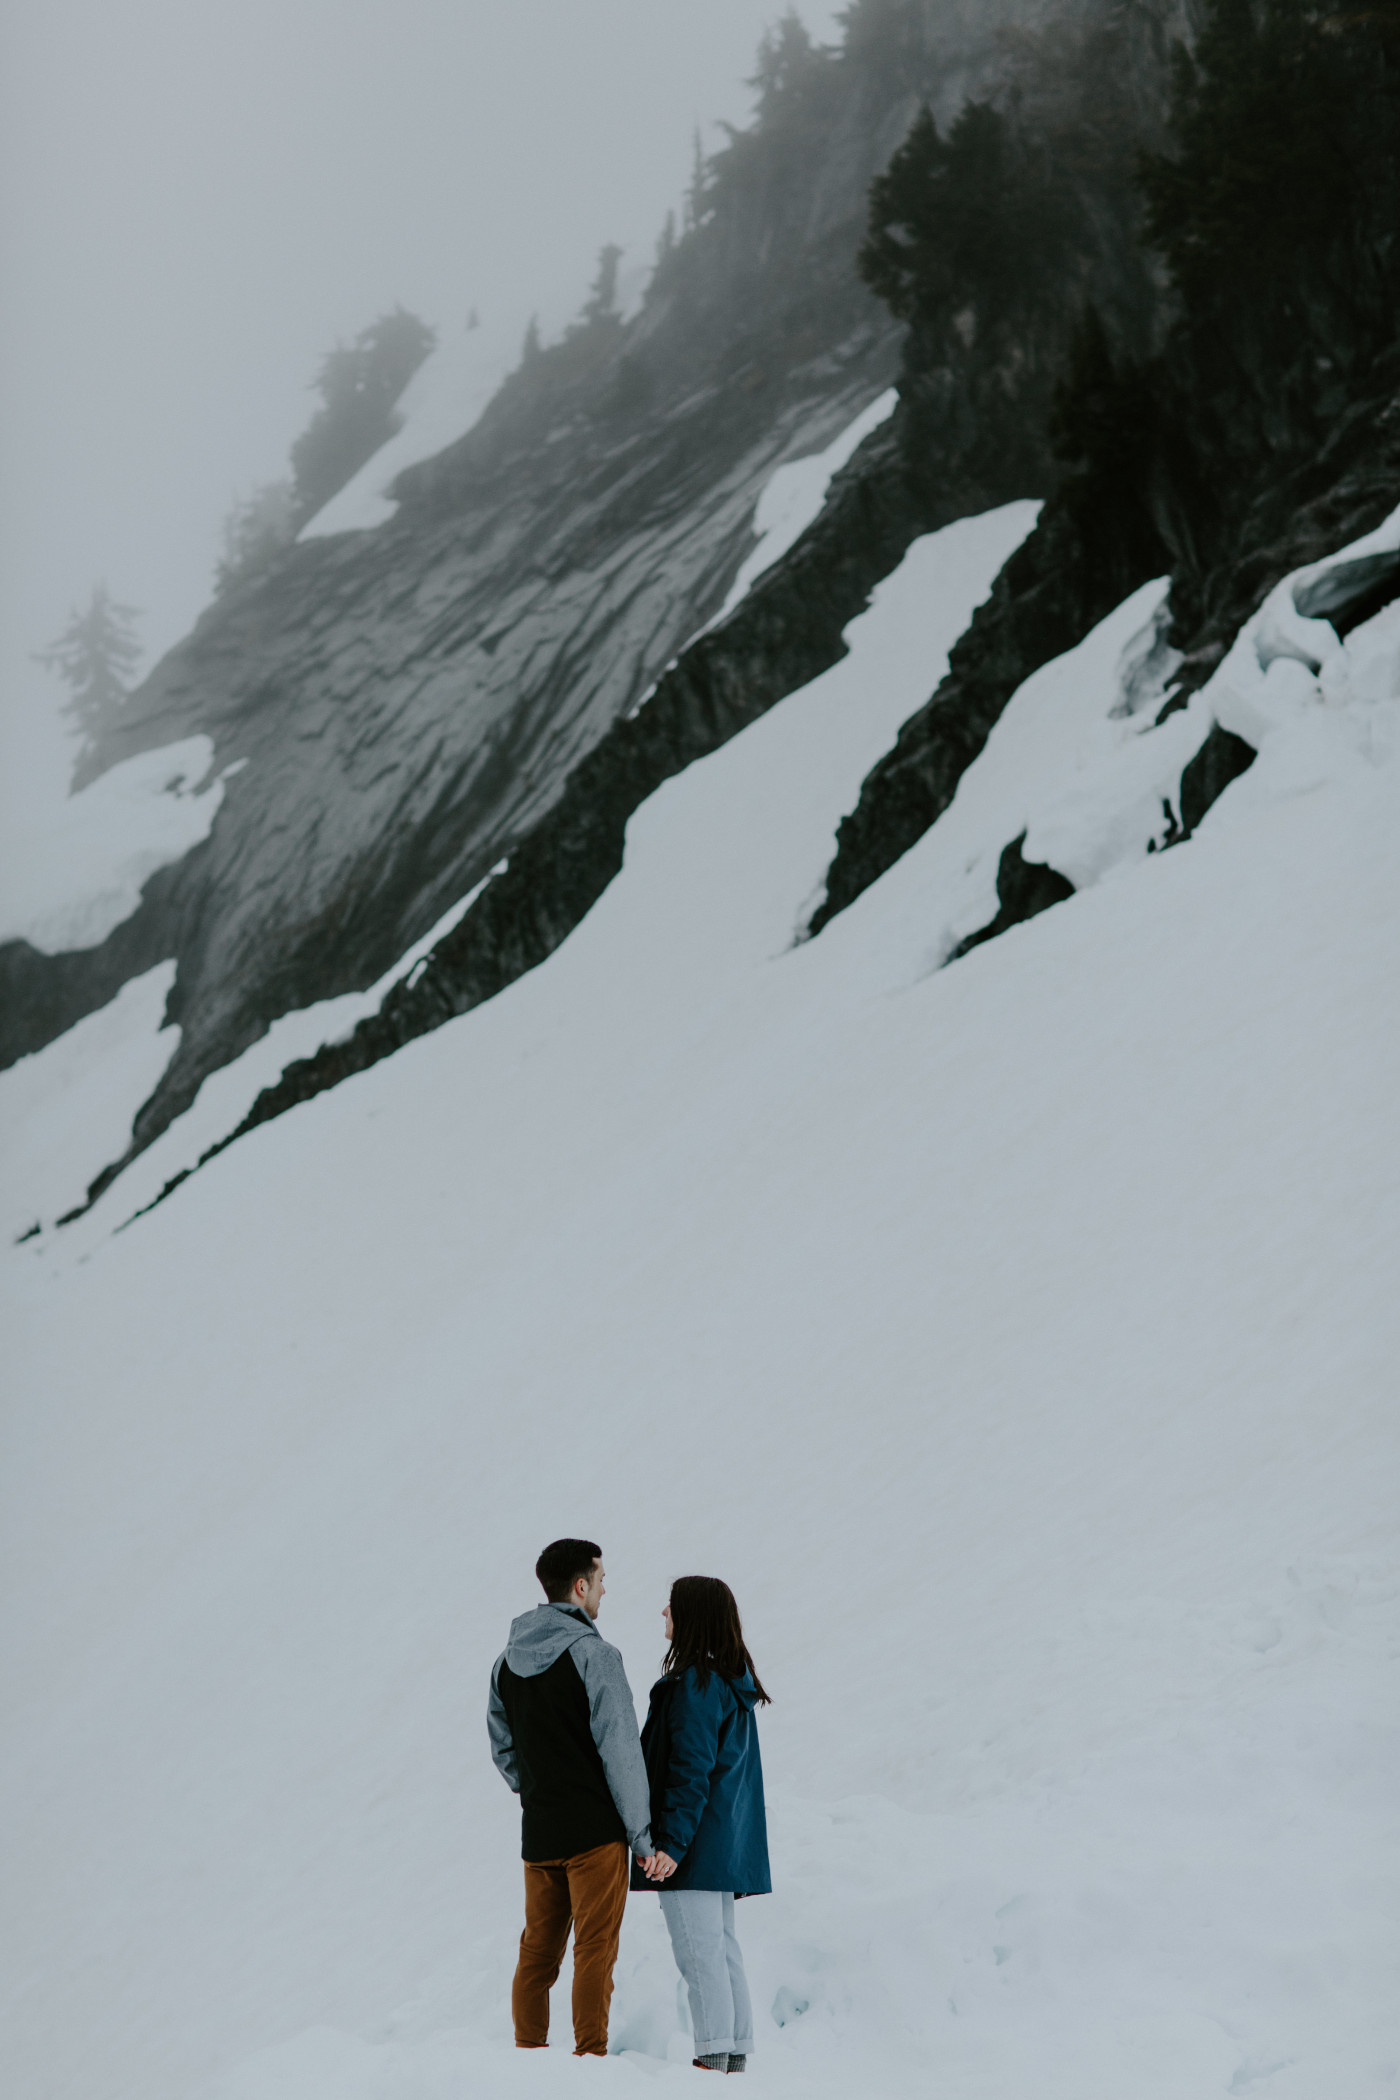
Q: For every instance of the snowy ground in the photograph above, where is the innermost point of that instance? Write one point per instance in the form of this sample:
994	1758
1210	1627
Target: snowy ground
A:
1016	1337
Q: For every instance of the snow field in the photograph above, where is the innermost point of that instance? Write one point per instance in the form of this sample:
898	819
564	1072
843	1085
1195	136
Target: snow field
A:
1016	1338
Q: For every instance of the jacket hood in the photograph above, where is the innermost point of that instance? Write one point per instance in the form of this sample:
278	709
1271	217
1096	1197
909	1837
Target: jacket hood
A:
743	1690
538	1638
743	1687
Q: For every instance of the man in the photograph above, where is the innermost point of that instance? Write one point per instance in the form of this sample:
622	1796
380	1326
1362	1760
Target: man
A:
564	1737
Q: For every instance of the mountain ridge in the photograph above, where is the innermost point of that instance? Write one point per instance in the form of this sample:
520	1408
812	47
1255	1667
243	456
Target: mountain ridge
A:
645	445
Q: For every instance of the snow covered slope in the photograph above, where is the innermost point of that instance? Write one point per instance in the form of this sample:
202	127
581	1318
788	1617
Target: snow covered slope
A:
1017	1337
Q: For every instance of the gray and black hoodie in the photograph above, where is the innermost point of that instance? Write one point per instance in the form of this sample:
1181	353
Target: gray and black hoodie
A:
564	1737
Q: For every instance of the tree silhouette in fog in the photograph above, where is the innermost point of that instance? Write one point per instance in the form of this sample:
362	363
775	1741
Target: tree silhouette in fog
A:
255	532
966	232
601	304
359	386
95	657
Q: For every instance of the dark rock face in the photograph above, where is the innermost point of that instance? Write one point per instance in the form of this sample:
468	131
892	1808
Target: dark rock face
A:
1300	515
1024	888
1054	590
412	703
1027	887
1351	592
1222	758
1044	601
42	995
506	670
1241	424
786	632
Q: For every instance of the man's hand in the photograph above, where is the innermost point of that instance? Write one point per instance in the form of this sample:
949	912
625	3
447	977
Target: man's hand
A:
660	1866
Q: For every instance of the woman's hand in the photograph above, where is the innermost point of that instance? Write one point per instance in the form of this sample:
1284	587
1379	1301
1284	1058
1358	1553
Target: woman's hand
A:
660	1867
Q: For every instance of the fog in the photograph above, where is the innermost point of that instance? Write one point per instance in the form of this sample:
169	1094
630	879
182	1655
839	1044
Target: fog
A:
199	199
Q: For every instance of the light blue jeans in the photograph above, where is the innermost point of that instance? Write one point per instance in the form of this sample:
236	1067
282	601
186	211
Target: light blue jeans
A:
701	1925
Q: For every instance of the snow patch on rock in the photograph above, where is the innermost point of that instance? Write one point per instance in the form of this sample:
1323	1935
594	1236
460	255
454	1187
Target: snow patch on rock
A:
440	404
792	498
71	871
1080	764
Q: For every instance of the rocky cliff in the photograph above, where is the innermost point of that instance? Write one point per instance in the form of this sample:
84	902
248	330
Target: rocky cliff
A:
482	690
410	701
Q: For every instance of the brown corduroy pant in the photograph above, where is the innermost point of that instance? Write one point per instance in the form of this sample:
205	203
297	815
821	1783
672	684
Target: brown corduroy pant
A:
588	1892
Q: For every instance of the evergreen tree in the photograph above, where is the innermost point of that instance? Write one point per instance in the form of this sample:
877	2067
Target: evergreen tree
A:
1276	207
1282	185
890	35
788	62
601	304
964	231
255	532
95	656
359	387
697	196
1111	424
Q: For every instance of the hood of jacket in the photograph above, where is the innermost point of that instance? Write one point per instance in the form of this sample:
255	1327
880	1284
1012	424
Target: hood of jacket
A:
538	1638
743	1688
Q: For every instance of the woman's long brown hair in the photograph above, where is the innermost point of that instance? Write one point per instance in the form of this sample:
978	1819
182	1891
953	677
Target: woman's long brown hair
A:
706	1633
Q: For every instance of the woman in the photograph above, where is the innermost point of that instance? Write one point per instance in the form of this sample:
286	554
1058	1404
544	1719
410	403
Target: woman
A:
707	1818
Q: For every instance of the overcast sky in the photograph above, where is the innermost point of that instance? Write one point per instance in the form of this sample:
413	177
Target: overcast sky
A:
198	198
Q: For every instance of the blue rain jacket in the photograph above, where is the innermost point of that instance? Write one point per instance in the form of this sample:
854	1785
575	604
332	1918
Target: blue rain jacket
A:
701	1751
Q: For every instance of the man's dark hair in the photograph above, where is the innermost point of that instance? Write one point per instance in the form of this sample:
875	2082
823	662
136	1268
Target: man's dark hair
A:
561	1564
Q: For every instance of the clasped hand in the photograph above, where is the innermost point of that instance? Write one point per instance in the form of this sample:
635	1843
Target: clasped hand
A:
658	1866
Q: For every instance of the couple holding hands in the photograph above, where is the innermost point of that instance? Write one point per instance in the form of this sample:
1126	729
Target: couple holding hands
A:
679	1810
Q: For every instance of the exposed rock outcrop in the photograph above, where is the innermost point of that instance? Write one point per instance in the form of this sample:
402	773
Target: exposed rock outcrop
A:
411	702
1223	757
1054	589
1024	888
1249	428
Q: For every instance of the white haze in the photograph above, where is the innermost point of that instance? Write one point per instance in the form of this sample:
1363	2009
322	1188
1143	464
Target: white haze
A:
198	200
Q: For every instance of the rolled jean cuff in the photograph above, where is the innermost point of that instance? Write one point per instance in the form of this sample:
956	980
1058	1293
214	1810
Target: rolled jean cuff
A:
701	1927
